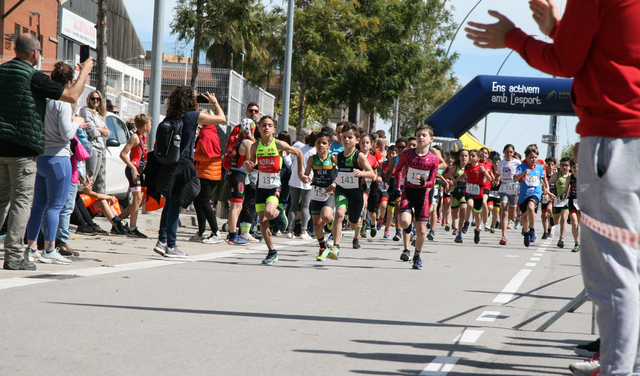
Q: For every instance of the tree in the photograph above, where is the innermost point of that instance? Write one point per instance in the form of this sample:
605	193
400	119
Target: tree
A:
567	150
101	41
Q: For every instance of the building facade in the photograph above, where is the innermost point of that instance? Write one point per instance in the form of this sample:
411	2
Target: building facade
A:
37	17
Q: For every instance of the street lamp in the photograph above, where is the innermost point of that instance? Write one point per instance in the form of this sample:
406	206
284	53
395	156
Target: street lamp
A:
135	57
460	26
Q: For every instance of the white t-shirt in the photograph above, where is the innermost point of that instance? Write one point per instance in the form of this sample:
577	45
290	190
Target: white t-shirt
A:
307	151
508	171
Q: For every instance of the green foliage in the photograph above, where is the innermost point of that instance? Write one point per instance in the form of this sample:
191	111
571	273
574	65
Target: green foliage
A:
567	150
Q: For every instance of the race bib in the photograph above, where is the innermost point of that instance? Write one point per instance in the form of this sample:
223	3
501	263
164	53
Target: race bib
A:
532	181
368	182
473	189
269	180
494	194
319	193
413	175
347	180
436	191
511	188
384	187
557	202
575	203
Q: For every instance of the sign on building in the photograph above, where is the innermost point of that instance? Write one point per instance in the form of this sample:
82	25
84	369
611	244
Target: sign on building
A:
78	28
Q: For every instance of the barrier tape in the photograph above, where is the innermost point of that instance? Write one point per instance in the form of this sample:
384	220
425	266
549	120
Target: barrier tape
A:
617	234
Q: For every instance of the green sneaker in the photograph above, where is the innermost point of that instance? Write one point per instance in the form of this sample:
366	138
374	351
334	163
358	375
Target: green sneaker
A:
560	243
459	238
576	248
272	257
322	254
334	253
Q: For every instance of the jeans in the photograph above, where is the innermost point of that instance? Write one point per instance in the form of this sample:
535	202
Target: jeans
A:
17	177
50	194
65	214
169	223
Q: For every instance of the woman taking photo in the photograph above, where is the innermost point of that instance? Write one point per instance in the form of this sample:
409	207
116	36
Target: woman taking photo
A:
95	113
53	178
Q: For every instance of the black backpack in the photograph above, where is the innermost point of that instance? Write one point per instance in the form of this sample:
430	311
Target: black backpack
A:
168	138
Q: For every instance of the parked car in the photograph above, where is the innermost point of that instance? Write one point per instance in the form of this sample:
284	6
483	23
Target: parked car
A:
116	181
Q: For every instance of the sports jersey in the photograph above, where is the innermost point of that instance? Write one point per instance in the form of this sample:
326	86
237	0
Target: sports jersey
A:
507	169
530	185
322	177
237	160
488	165
138	155
269	164
560	185
414	166
345	179
475	179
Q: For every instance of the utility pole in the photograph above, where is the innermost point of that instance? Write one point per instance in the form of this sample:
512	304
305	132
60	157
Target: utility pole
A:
101	61
156	70
286	82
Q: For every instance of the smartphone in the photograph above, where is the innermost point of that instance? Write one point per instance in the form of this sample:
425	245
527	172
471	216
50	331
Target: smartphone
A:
201	99
85	51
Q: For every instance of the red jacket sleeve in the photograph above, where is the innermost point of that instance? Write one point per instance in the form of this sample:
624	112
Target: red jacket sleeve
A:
572	39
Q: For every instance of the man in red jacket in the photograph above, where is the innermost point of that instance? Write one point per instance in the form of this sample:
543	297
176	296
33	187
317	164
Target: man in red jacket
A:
597	42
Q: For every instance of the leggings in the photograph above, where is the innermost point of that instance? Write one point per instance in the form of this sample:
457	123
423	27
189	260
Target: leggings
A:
300	197
51	189
204	211
80	215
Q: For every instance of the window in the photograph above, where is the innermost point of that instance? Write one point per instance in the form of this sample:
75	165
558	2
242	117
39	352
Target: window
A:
127	83
24	30
17	31
118	129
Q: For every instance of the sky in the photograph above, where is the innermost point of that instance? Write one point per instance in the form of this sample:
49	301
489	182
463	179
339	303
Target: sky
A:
519	130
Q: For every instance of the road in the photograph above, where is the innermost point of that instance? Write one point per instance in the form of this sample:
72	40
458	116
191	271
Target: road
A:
121	309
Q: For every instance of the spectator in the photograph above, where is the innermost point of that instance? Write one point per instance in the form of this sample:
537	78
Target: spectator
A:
381	134
95	114
23	107
300	191
302	138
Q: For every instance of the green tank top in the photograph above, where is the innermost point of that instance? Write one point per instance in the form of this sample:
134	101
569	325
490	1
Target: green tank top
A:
561	184
269	160
322	171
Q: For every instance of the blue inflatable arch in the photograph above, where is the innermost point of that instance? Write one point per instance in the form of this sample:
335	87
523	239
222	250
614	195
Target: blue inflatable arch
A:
486	94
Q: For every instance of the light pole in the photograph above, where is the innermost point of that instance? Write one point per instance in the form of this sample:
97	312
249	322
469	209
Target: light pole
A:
135	57
460	26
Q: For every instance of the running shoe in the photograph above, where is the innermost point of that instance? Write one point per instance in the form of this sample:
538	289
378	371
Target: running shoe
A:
497	224
160	248
329	241
257	235
516	223
492	230
196	238
588	350
246	237
454	232
447	227
305	236
283	222
330	226
545	236
33	255
576	248
237	241
18	265
363	232
54	256
589	368
387	233
503	241
527	239
133	232
175	253
373	232
550	235
465	228
510	225
413	240
322	254
356	244
560	243
486	227
396	237
288	234
417	262
473	223
99	230
458	238
86	230
532	235
118	229
214	239
271	258
431	235
476	236
334	252
380	224
405	255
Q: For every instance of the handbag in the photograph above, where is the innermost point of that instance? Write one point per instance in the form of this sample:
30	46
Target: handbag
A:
79	151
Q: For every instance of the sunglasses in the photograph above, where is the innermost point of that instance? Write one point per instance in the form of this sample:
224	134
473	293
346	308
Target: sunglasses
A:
95	99
564	165
253	111
400	147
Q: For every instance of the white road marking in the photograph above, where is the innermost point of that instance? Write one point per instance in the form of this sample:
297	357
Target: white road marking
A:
18	282
511	256
530	264
489	316
538	254
468	336
534	259
512	287
440	366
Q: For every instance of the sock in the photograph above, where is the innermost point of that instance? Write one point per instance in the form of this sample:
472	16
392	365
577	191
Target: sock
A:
417	253
117	219
232	235
532	230
245	227
133	228
322	243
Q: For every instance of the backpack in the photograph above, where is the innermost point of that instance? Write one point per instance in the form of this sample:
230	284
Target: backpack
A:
226	161
168	138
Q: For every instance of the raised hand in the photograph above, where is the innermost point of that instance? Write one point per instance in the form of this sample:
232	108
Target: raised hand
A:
490	35
545	13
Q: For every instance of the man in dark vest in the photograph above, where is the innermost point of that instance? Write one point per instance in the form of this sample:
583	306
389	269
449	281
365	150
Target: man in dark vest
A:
23	94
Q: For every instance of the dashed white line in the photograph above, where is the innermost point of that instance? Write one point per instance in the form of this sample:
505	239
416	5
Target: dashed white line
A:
534	259
440	366
538	254
488	316
468	336
512	287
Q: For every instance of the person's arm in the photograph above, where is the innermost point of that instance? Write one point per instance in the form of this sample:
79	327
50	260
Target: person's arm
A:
307	170
487	174
250	163
390	168
218	118
66	124
519	176
283	146
92	130
399	170
366	171
124	154
71	95
463	176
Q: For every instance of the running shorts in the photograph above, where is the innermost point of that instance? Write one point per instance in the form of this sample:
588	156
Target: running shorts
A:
236	182
315	207
266	195
457	198
134	186
352	200
415	200
573	206
525	203
506	198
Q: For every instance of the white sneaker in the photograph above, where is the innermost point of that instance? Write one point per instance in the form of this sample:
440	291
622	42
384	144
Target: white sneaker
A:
197	238
33	255
55	257
249	238
289	234
305	236
212	239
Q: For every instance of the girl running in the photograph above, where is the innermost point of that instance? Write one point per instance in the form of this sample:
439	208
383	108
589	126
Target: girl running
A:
560	181
475	173
508	189
458	199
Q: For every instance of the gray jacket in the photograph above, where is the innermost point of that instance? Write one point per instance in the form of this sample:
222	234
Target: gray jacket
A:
95	121
59	129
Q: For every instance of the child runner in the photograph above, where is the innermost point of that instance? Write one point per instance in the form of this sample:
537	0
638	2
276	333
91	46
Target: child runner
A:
389	168
558	186
134	155
547	200
401	146
373	196
475	173
266	153
436	192
321	206
446	195
508	189
483	157
533	184
353	168
458	198
494	195
571	192
419	167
